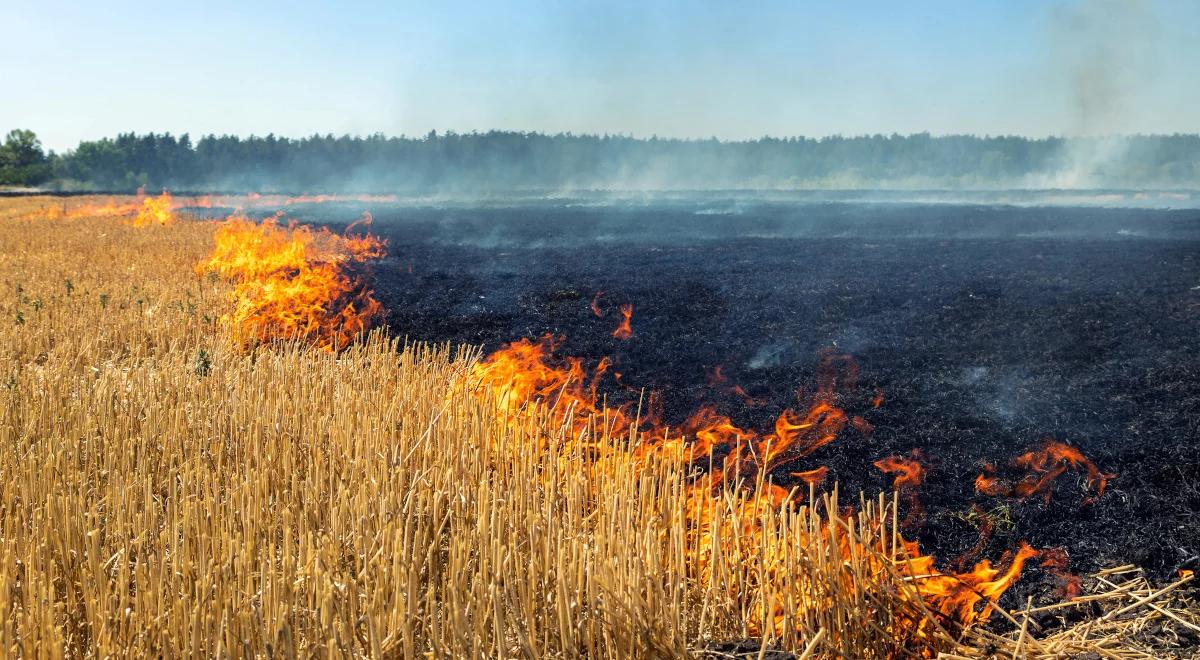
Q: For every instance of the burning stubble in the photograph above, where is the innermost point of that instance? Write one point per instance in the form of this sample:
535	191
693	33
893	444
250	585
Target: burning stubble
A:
366	499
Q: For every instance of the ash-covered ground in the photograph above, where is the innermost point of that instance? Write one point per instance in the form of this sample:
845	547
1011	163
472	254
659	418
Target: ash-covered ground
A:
987	328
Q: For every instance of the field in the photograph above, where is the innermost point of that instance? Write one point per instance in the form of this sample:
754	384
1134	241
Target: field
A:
985	329
202	454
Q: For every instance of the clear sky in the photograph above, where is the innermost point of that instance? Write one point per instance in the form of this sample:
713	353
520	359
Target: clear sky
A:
73	70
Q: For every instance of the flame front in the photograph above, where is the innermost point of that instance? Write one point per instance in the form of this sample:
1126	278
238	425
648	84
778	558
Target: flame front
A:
528	374
294	282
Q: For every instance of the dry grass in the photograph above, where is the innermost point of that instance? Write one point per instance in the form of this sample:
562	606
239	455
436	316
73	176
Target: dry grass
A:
1123	617
163	493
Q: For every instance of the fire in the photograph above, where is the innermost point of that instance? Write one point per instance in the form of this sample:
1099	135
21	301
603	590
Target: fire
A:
155	211
526	372
625	330
717	380
751	401
294	282
596	305
1057	562
141	211
741	463
910	474
144	211
814	477
109	209
1042	467
958	596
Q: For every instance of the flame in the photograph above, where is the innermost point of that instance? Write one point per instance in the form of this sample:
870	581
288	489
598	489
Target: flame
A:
910	474
1057	562
814	477
740	461
142	211
294	282
110	208
298	282
146	211
751	401
625	330
1042	467
716	379
155	211
526	372
957	596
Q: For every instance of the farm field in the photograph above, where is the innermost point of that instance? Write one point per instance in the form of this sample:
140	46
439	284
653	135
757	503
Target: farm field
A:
225	436
984	328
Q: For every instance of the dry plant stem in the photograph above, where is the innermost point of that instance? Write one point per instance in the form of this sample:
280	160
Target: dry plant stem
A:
166	493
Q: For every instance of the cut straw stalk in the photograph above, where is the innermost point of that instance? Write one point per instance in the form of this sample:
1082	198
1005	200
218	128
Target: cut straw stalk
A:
294	502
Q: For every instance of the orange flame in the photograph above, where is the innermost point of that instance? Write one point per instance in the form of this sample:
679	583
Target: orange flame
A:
141	211
814	477
625	330
526	373
1042	467
910	474
155	211
957	596
751	401
294	282
716	379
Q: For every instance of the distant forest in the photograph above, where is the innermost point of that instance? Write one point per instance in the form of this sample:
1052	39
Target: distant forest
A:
499	161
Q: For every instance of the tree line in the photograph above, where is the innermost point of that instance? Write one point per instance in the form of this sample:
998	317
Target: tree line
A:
498	161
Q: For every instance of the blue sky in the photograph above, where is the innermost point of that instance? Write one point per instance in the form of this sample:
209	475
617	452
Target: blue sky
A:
82	70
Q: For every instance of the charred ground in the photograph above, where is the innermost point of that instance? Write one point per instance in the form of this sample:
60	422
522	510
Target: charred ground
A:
986	328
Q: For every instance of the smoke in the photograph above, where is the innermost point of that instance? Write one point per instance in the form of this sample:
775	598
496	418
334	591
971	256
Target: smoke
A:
1108	48
1106	51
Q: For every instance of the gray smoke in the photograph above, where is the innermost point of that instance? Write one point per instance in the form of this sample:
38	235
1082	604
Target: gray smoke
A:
1108	57
1109	51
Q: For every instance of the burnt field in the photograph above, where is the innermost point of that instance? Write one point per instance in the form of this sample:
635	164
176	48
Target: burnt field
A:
985	329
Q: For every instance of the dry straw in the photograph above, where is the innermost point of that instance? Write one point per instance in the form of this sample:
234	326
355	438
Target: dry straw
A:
166	494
